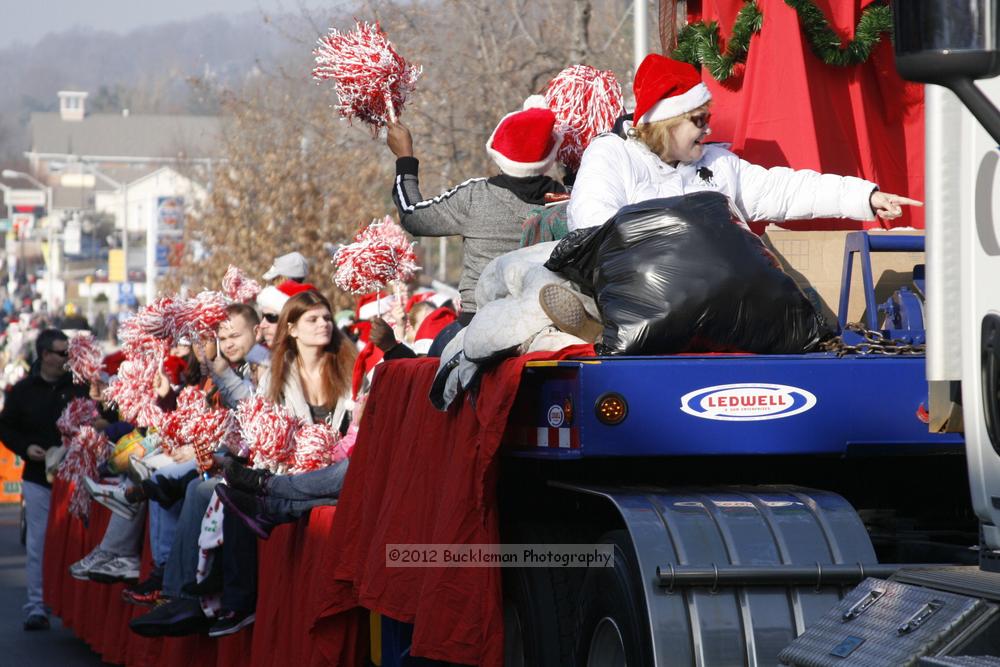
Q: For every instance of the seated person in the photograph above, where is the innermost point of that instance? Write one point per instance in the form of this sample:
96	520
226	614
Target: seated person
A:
664	155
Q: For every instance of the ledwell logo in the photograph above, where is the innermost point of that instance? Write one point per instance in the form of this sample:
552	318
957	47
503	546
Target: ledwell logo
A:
747	402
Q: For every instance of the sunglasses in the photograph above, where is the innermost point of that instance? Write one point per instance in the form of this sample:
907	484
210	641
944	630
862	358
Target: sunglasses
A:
271	317
61	353
701	120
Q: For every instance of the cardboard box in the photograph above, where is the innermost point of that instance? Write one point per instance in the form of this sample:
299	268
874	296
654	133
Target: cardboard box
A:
816	261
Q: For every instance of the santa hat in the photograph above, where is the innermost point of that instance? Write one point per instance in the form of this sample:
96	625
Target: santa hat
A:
665	88
370	306
432	325
525	142
364	364
418	298
274	298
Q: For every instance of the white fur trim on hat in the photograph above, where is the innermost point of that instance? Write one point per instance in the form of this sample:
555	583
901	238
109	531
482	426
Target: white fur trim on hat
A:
522	169
669	107
534	102
371	309
271	298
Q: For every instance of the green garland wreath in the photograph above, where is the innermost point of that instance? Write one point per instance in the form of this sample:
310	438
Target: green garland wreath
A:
698	43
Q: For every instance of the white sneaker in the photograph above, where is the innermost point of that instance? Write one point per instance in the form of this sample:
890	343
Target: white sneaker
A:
138	470
111	496
118	568
81	568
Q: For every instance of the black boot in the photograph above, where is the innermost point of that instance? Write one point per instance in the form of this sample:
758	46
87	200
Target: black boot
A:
243	478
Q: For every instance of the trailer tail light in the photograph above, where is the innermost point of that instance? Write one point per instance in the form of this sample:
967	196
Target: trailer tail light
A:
611	409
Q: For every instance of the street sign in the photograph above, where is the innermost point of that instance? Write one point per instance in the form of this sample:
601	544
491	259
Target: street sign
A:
116	265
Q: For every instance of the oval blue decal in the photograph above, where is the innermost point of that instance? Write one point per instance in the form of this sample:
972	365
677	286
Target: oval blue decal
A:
750	401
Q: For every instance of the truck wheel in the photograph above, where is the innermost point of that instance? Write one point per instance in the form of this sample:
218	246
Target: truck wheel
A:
530	619
612	630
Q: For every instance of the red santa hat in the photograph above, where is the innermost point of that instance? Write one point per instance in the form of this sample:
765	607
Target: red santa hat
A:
274	298
364	363
665	88
419	297
525	142
431	327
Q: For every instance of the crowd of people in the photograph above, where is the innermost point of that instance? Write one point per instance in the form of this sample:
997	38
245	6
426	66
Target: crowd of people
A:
286	347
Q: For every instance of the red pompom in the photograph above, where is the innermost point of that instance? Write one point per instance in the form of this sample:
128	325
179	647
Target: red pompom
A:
84	453
238	286
586	102
372	80
79	412
380	254
268	430
85	358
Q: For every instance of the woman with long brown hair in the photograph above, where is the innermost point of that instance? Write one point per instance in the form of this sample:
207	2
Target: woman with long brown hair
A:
310	376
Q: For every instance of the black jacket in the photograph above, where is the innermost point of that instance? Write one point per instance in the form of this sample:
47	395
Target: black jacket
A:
29	417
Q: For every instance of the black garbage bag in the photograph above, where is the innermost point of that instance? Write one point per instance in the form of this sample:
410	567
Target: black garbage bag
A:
677	275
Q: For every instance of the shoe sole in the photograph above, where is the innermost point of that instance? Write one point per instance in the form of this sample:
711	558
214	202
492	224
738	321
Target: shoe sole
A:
139	603
234	629
116	507
181	628
102	578
566	311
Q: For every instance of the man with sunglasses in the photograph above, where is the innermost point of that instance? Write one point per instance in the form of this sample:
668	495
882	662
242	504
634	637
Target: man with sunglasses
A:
28	428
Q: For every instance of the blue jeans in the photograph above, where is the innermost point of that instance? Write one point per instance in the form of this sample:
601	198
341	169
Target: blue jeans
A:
290	496
162	527
182	563
36	509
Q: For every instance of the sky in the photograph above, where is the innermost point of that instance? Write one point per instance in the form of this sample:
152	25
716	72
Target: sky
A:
27	22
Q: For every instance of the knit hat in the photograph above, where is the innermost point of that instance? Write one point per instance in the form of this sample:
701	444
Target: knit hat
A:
292	265
525	142
665	88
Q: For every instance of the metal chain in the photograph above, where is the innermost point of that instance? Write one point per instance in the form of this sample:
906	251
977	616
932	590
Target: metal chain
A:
873	342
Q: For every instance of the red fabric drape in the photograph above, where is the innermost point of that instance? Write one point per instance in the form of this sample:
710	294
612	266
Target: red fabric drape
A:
281	636
420	476
788	108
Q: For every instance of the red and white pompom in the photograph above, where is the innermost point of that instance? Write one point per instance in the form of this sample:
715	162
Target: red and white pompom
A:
392	235
131	390
380	254
155	320
238	286
85	358
315	447
84	453
194	422
371	79
268	431
201	315
586	102
78	412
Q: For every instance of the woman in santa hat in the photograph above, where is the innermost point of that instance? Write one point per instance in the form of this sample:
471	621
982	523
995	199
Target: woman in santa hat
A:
665	156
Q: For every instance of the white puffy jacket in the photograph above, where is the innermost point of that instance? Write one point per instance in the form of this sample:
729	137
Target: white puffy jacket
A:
615	173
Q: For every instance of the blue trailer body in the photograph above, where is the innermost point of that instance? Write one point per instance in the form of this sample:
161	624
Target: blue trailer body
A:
726	404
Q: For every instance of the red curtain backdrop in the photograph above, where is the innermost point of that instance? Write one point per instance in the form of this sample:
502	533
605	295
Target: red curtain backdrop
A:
785	107
285	632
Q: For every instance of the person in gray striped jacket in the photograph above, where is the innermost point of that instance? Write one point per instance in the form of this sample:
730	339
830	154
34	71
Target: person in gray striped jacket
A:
486	212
